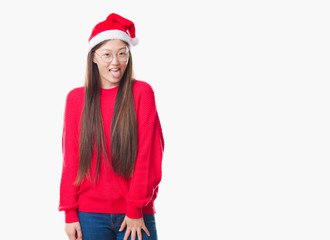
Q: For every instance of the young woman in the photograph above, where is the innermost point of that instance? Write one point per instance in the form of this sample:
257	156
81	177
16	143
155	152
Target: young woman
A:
112	144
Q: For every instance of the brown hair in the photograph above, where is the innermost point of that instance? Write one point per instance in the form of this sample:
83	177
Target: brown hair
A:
123	127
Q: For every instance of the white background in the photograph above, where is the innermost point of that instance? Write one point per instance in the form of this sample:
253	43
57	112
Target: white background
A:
242	91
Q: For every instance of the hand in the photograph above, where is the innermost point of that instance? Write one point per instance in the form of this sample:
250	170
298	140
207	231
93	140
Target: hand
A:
73	231
134	226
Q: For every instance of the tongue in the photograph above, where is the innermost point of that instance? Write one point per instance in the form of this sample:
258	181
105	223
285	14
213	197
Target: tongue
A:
115	74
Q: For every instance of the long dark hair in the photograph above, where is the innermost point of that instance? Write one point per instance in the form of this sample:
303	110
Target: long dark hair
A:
123	127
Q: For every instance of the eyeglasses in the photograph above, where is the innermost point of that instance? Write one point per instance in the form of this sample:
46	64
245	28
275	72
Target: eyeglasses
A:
122	56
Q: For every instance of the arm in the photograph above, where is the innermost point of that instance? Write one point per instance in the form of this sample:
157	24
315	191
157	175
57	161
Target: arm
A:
147	173
70	150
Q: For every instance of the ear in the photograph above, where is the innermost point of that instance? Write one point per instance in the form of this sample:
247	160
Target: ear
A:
94	61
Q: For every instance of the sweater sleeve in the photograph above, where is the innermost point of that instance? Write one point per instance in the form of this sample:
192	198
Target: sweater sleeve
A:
147	173
70	151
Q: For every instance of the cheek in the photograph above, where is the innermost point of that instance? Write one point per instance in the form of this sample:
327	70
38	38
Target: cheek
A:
103	67
123	67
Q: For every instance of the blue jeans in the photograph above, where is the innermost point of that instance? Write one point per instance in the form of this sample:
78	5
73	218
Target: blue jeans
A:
105	226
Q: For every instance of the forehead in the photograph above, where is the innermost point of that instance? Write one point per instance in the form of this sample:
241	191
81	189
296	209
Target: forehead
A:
113	45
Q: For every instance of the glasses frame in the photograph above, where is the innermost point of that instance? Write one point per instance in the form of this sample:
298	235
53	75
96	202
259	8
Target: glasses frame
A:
113	57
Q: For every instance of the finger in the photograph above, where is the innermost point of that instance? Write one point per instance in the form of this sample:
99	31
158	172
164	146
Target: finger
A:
71	237
139	234
133	235
123	225
79	233
146	230
127	234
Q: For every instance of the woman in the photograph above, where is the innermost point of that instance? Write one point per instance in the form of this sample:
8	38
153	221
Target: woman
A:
112	143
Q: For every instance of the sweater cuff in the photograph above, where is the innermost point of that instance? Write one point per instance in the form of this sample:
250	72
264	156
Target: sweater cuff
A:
134	212
71	216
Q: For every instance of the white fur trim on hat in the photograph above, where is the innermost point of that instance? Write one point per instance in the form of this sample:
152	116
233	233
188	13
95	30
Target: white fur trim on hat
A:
112	34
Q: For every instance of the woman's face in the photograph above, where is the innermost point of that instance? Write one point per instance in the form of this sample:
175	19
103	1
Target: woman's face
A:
111	59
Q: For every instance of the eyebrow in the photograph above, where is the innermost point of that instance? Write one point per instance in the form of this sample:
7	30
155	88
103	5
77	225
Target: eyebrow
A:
111	49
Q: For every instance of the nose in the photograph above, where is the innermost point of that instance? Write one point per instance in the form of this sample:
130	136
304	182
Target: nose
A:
114	60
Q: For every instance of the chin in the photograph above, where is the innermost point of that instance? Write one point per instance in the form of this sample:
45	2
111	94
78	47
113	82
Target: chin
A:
114	81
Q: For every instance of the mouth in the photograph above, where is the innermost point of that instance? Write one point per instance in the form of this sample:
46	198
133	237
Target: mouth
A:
115	72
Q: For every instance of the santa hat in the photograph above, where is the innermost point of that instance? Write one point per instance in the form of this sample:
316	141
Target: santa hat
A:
114	27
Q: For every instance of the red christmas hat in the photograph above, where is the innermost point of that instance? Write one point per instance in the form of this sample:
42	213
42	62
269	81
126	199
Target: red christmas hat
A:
114	27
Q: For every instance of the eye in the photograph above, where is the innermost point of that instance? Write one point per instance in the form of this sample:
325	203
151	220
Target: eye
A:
106	54
122	53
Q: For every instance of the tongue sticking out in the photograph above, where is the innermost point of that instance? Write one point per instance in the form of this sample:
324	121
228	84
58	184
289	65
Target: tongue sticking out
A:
115	74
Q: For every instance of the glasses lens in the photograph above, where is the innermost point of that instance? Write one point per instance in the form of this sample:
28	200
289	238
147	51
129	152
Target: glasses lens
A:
107	57
121	56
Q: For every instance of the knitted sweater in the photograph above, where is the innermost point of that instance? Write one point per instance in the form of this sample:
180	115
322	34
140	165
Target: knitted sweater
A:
112	194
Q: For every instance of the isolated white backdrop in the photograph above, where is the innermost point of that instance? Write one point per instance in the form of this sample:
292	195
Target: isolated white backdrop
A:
242	91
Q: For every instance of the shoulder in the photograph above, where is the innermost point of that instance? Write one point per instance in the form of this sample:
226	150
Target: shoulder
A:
142	88
76	93
75	96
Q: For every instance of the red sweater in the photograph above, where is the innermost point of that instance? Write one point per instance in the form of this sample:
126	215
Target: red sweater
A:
112	194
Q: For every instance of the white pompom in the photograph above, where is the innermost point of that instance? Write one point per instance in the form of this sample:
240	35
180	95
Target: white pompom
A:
134	41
